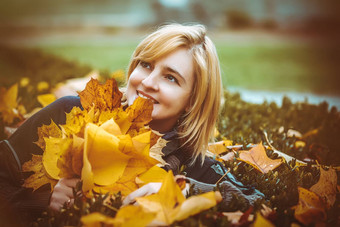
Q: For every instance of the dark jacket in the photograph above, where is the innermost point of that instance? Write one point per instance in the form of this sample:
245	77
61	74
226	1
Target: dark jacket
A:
19	205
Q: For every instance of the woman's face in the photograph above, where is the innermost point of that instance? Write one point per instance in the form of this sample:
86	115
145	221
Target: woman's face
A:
168	82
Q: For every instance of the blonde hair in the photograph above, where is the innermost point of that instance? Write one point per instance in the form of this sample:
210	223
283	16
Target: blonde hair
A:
196	127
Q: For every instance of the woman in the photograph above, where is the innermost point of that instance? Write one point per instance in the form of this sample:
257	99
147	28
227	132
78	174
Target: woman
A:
178	69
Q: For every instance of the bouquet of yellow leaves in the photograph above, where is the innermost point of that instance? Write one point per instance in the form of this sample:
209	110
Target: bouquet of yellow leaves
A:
113	150
104	144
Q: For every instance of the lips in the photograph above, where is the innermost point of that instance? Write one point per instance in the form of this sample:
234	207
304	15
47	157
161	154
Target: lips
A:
146	96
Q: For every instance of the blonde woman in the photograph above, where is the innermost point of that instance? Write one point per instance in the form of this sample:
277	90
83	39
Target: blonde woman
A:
177	67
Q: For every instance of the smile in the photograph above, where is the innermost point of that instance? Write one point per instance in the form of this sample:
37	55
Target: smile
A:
145	96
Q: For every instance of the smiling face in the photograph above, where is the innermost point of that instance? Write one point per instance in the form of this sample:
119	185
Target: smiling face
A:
167	81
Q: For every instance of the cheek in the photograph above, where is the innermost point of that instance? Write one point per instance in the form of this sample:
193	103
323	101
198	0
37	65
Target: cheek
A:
131	89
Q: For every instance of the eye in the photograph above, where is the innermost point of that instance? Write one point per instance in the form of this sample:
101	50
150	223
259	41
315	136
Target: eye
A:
145	64
171	78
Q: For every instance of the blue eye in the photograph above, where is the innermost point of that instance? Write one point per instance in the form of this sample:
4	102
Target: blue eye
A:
171	78
145	64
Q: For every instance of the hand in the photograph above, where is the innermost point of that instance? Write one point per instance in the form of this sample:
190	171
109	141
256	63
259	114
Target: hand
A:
147	189
62	193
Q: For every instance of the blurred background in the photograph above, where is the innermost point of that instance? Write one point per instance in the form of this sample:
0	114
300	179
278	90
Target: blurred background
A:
267	48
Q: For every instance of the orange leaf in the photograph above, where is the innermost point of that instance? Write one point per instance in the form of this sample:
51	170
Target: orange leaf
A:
139	114
39	178
326	186
103	97
258	158
310	208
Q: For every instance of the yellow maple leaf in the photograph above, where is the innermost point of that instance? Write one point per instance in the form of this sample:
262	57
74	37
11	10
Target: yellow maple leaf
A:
166	203
258	158
39	178
107	161
104	97
170	204
310	209
70	160
219	147
77	157
104	144
154	174
122	218
55	147
76	121
326	186
197	204
51	130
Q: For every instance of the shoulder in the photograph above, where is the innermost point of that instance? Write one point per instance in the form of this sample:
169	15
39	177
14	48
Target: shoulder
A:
208	172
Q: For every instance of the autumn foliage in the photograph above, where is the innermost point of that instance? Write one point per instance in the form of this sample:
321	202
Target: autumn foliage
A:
111	148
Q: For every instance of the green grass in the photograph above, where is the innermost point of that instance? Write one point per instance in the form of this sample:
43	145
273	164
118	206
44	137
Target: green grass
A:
274	67
110	57
280	67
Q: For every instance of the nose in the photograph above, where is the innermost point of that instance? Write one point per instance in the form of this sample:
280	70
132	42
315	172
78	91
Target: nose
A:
151	81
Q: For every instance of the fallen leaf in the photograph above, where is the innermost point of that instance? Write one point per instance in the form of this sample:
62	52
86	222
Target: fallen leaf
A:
140	217
258	158
96	219
197	204
39	178
118	75
43	86
260	221
122	218
166	203
326	186
310	208
46	99
9	105
219	147
170	204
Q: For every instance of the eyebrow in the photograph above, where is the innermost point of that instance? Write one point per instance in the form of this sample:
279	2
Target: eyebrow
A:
175	71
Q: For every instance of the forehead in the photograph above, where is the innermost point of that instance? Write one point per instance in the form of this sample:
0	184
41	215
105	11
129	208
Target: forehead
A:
181	60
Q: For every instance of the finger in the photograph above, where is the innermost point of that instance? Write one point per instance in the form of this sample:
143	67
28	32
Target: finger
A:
57	201
131	198
70	182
